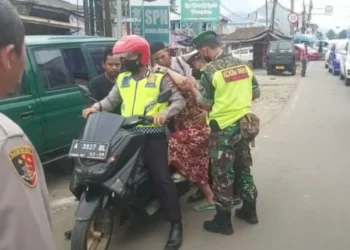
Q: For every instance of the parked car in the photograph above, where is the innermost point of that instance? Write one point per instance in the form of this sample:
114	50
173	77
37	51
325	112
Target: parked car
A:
334	56
312	55
245	54
48	104
326	58
345	64
281	57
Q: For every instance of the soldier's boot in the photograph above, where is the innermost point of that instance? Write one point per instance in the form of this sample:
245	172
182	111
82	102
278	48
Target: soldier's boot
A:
221	223
248	212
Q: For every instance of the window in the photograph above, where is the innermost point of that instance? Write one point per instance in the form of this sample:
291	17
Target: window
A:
19	91
273	47
97	54
244	51
61	68
285	46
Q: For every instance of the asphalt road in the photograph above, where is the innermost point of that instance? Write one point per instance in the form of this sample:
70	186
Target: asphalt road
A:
301	168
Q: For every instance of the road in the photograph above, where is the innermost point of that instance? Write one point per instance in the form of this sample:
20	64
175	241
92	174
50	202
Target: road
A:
301	168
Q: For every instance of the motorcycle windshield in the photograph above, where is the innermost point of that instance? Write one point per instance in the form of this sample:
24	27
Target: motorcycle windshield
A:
102	127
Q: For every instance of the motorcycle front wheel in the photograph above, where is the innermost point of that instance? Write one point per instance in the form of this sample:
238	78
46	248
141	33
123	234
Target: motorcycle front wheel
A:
93	234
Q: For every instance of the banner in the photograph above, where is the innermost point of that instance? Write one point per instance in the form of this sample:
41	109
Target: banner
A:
200	10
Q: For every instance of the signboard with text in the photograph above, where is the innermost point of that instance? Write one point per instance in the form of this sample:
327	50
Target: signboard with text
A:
200	10
151	22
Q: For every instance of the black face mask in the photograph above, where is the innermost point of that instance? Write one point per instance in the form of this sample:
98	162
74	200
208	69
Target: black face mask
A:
196	73
207	59
131	65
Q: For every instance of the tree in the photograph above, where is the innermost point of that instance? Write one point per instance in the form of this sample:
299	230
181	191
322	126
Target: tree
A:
342	34
173	6
331	34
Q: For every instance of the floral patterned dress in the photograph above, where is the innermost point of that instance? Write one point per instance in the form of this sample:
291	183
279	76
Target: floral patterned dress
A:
189	144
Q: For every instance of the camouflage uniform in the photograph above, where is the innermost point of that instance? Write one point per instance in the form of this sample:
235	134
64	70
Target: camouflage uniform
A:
229	152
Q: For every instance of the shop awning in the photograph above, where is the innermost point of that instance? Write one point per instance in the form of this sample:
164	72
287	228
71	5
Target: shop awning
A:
47	22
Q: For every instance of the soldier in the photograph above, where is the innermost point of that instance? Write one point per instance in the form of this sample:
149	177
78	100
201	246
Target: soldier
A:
25	217
227	90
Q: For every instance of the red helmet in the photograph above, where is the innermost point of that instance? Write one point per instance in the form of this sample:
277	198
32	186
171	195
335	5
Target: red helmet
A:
133	43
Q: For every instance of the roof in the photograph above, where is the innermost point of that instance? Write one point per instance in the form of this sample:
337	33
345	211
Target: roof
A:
59	4
265	34
244	33
39	40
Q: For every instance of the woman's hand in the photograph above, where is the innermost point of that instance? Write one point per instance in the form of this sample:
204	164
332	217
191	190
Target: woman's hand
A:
201	118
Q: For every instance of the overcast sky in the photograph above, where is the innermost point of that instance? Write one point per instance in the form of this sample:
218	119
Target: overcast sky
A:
340	17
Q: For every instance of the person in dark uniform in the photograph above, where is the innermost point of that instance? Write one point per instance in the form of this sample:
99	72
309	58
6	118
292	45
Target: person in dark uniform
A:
101	85
25	215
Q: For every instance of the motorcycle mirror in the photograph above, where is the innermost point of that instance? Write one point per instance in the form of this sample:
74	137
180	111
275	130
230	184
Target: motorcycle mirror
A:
164	96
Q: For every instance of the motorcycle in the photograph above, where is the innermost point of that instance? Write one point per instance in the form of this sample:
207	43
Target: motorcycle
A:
110	181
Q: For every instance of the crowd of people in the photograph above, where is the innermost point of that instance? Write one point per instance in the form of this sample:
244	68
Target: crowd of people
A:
207	139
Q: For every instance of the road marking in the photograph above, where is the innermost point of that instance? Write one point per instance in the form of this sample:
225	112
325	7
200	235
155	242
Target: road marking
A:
63	203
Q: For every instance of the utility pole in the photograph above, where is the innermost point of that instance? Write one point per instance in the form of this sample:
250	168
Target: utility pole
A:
292	26
92	17
267	14
86	17
310	13
119	12
107	18
303	27
273	16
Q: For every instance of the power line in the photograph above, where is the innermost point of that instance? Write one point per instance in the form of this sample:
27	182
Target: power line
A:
233	13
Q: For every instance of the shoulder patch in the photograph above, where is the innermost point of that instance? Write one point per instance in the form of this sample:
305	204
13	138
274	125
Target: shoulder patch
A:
235	73
125	82
23	162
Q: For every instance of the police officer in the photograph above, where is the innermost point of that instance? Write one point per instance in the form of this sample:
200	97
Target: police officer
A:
25	217
227	90
135	88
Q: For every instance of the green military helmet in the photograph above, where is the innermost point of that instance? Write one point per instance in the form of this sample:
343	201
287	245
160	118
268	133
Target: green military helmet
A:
202	37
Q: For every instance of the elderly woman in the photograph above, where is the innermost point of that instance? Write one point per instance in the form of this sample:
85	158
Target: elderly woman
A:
189	143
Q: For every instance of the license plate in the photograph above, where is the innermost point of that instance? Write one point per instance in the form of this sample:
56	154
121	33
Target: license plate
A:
279	67
89	150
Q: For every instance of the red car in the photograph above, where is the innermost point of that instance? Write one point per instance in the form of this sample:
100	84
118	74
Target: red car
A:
312	55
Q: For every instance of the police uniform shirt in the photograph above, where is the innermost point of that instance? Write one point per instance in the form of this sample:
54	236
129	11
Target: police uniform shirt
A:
25	219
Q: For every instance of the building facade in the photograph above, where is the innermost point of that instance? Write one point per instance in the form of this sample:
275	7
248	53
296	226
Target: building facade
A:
258	17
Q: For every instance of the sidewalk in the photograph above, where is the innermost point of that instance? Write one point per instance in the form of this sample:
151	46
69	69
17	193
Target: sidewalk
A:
275	92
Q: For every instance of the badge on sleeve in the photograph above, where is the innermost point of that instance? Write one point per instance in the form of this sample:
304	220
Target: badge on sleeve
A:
22	159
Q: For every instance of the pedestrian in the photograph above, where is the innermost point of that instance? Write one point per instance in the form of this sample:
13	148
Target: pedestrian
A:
304	59
101	85
161	56
135	85
25	215
227	88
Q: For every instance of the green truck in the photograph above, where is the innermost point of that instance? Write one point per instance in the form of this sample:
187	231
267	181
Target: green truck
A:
48	104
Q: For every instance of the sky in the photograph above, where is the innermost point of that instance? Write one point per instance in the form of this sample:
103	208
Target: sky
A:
340	17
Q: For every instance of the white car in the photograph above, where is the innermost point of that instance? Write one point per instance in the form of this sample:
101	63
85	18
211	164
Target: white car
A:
345	64
326	58
245	54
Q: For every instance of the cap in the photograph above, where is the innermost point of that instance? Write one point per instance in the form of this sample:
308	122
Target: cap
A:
202	37
157	46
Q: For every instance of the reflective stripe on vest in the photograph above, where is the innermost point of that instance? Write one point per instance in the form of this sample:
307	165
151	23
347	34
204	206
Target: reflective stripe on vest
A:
137	95
233	95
